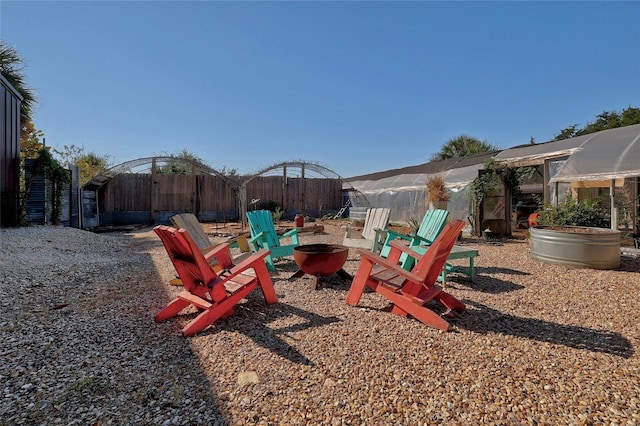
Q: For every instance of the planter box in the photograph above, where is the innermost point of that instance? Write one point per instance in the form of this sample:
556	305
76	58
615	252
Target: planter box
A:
577	246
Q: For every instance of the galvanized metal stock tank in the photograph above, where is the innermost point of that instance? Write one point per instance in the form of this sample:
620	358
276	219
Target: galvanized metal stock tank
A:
576	246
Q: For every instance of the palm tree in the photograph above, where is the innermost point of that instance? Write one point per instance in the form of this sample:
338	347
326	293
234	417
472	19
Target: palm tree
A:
462	146
12	68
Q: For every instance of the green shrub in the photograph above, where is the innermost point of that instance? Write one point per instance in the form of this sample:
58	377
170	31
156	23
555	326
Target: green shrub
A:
277	214
572	213
276	210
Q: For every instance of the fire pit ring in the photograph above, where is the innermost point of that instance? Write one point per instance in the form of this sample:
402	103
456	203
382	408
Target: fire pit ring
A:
321	260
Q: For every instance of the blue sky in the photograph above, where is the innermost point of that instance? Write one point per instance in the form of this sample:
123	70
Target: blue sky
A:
358	87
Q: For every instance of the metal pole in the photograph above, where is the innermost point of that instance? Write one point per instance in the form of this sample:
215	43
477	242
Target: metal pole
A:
304	184
612	196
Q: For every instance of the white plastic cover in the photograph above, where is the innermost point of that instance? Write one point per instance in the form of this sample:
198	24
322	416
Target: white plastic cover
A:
610	154
405	194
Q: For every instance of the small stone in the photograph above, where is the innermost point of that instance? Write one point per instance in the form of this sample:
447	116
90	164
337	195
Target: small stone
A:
329	382
247	377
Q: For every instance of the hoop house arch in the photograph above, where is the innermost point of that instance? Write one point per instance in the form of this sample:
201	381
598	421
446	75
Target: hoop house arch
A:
294	187
152	189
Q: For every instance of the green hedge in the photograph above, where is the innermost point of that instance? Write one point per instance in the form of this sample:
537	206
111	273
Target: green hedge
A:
570	212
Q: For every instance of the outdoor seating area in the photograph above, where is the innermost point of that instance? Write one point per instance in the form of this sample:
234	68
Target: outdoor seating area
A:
313	343
276	214
212	280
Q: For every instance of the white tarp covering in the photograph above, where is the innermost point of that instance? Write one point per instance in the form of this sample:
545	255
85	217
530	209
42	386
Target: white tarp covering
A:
536	154
458	179
404	191
610	154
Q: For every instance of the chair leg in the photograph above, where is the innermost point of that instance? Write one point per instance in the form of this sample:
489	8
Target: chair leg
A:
359	282
171	310
265	283
205	319
428	317
450	302
270	265
406	304
397	311
221	310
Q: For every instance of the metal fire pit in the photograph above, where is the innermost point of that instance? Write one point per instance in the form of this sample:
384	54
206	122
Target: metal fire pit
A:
321	260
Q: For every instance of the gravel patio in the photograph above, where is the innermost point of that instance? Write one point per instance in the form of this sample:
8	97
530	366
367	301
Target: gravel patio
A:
538	344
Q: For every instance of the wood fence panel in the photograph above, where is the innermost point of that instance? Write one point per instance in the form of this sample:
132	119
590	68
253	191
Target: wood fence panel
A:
174	192
295	194
216	199
268	189
316	194
126	192
209	197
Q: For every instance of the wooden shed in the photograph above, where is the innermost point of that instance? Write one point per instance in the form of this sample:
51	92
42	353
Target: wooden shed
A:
10	101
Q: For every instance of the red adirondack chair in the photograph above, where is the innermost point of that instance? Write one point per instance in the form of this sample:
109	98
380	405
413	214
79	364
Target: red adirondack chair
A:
215	294
409	291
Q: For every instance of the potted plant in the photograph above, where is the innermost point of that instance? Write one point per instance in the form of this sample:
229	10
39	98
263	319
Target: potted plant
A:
437	195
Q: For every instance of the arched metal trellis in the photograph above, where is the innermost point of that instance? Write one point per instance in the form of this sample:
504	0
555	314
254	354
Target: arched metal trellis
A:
289	169
148	164
299	171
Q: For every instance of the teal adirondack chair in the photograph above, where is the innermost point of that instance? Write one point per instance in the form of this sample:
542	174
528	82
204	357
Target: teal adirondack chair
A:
432	224
264	236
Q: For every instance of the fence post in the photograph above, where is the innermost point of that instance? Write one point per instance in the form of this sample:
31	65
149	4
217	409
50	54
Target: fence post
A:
153	191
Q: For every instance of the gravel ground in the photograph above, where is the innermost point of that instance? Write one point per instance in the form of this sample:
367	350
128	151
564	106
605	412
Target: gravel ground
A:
538	344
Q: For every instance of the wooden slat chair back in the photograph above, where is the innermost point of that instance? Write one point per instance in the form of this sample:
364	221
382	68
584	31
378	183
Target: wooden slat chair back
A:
265	236
432	223
376	220
409	291
190	222
215	294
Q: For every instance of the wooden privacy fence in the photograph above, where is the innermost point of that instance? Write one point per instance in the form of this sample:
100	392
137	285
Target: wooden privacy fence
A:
132	198
311	196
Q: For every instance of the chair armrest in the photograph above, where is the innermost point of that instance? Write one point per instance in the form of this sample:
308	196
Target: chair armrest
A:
293	234
380	239
257	238
215	251
353	234
405	249
208	249
397	269
221	254
421	241
289	233
246	263
394	235
381	234
259	241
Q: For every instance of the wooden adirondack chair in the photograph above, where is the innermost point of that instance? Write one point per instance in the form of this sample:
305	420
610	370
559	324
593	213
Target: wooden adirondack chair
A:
409	291
214	294
432	223
264	236
190	222
370	238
